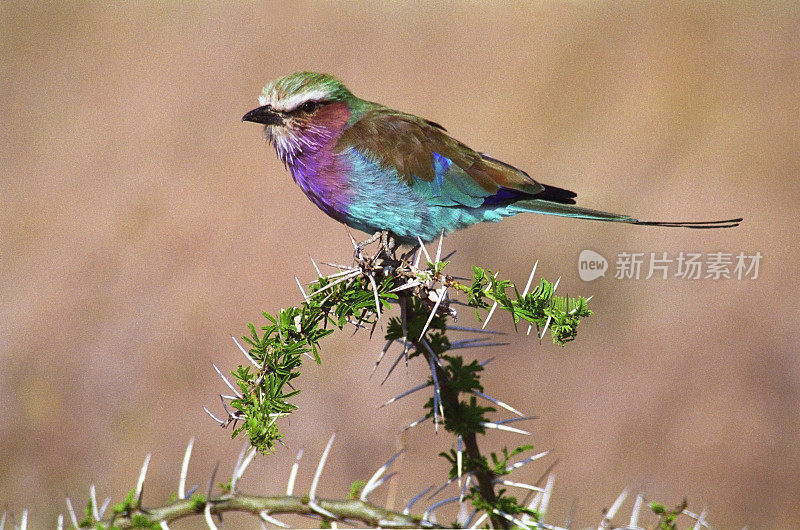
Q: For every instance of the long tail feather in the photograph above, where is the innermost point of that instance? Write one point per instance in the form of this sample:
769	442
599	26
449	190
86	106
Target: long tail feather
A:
727	223
569	210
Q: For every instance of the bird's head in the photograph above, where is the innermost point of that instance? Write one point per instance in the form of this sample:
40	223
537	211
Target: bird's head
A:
302	111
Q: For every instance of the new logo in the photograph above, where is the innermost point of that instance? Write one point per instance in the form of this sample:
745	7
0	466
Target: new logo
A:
591	265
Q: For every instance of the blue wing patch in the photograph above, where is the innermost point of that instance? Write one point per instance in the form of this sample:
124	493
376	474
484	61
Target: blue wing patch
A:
451	186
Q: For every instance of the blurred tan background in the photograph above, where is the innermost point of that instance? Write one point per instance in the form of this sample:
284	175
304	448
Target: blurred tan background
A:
143	224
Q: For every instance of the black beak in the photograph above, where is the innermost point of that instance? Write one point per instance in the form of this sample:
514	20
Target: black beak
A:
264	115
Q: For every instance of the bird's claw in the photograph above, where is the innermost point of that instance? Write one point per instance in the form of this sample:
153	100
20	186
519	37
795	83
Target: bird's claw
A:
386	248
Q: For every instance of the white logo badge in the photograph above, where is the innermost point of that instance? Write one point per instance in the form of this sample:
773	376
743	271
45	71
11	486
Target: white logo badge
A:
591	265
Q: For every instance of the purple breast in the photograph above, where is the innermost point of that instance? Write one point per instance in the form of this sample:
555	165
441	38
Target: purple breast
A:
322	174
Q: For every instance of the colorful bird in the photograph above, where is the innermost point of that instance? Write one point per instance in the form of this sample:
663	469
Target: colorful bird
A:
378	169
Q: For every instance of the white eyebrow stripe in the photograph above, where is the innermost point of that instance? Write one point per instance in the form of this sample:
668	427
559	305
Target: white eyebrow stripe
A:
296	100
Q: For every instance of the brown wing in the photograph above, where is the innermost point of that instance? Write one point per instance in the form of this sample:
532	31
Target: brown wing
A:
406	144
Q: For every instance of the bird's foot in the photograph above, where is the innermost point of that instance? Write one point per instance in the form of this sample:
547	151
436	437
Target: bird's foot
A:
359	251
386	247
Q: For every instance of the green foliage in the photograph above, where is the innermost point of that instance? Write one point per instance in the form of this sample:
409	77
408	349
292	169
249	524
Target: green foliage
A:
536	307
291	334
500	464
225	487
504	503
666	517
88	515
127	505
198	501
357	296
355	489
417	312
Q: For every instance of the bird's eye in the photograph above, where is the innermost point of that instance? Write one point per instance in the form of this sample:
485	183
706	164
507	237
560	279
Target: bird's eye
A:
309	106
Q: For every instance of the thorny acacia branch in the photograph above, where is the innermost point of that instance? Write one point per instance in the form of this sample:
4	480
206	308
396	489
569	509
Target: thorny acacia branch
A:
361	295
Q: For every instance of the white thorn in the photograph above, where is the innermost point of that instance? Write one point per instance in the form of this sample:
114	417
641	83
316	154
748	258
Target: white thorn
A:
414	423
521	485
441	295
511	518
104	506
426	515
498	402
245	352
71	513
213	417
370	485
418	257
241	467
439	248
480	520
465	488
207	516
466	522
238	395
462	346
271	520
316	268
613	510
185	469
549	318
422	248
489	316
377	298
404	394
23	523
332	284
407	509
474	330
293	473
500	427
548	490
459	458
700	520
380	482
637	507
60	521
163	524
440	488
319	509
343	272
521	463
534	504
437	395
93	497
408	285
312	494
521	418
303	291
530	278
546	325
142	474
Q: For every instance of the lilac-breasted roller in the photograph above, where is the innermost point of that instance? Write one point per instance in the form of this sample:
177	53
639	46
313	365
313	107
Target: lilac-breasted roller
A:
378	169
